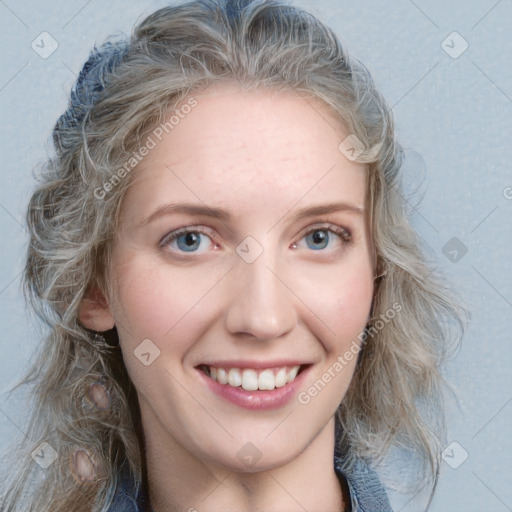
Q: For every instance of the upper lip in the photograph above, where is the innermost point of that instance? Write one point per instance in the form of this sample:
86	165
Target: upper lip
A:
245	363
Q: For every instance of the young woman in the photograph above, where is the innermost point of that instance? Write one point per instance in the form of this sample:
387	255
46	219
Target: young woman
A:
240	316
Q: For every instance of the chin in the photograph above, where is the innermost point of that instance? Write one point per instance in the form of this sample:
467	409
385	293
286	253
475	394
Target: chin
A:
254	456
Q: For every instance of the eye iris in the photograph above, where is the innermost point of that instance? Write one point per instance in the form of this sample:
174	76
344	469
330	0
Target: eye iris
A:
191	241
319	236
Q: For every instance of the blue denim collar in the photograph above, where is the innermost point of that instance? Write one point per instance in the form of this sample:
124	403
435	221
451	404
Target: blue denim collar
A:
367	493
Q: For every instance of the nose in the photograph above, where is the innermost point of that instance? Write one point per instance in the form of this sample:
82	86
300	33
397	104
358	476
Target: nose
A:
261	301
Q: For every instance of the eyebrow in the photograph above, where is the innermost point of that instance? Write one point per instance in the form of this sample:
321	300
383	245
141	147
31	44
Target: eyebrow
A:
224	215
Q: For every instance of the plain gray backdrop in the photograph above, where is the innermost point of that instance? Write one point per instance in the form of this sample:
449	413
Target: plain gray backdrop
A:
444	67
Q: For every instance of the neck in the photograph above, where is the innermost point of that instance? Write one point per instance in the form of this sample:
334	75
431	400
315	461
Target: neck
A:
180	481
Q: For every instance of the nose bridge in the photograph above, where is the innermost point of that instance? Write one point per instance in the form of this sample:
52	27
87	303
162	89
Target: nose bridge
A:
261	304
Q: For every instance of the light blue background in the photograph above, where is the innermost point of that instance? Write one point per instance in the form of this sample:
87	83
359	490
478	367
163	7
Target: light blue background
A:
455	114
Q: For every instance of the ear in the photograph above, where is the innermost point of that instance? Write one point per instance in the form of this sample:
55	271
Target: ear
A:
94	312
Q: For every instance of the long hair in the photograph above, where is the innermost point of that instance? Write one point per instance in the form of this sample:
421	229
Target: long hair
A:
127	89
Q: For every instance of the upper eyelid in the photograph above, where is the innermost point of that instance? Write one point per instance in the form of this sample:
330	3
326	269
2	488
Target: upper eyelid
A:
327	225
195	228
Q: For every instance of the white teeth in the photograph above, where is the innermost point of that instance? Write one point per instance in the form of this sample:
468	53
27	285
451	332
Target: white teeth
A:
222	376
292	374
266	380
251	380
280	378
234	377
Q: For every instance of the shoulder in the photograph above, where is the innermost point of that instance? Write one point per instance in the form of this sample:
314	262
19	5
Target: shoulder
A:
127	498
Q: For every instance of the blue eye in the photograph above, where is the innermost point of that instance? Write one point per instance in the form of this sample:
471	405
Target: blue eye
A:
318	237
189	241
186	240
196	241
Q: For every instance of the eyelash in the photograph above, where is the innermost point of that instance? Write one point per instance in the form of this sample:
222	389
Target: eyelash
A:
343	233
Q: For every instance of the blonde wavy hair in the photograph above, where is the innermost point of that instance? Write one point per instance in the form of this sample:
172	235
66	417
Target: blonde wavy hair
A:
127	88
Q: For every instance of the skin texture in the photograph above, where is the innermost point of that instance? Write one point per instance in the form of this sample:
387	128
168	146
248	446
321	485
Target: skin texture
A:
262	156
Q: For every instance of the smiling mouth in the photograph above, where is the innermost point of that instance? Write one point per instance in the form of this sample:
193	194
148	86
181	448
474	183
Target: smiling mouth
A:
251	379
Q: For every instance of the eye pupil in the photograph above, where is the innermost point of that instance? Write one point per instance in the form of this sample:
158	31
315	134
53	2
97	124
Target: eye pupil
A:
319	236
191	240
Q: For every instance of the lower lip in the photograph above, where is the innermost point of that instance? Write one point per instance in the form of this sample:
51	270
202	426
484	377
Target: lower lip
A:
259	399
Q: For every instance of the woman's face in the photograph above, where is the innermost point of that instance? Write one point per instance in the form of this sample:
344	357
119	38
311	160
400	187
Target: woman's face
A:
273	274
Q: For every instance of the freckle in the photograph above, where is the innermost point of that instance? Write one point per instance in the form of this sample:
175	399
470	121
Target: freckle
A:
99	395
83	466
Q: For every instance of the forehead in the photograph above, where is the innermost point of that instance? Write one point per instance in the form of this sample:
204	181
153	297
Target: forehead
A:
260	147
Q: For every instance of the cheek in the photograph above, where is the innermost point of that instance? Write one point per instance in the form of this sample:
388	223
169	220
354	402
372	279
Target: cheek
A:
342	299
355	295
153	302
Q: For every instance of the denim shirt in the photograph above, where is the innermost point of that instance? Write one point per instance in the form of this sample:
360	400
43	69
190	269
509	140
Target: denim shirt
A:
367	494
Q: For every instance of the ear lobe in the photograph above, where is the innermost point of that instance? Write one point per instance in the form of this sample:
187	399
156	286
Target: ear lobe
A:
94	312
